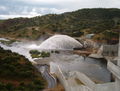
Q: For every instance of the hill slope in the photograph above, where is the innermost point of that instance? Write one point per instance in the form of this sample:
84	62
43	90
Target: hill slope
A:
102	22
18	74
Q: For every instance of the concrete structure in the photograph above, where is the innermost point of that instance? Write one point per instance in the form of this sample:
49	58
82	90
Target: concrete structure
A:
70	84
42	61
44	70
106	51
86	84
118	68
110	50
72	79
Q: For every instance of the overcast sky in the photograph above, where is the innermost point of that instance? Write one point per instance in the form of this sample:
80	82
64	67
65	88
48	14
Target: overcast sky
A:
31	8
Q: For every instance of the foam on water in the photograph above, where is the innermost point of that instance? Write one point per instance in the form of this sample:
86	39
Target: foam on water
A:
33	46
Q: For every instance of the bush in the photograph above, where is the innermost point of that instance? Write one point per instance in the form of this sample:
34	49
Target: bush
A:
45	54
34	52
9	87
37	54
17	68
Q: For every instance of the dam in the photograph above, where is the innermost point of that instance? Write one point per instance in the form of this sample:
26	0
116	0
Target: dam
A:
73	71
68	77
70	84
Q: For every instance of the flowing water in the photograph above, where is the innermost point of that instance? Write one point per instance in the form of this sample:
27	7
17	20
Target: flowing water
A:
94	68
60	42
21	48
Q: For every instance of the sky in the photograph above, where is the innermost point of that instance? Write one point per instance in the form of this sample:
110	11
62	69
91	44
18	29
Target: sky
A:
31	8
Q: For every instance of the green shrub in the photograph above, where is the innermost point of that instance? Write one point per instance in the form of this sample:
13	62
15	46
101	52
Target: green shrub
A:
16	68
37	54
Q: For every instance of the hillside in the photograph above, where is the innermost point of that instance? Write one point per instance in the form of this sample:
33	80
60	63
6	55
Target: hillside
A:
18	74
102	22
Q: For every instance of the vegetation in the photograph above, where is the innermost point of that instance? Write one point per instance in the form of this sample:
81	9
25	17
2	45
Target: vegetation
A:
18	74
45	54
102	22
56	51
7	42
37	54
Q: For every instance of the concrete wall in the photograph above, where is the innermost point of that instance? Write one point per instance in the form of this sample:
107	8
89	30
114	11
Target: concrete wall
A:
105	87
110	50
115	69
70	84
62	79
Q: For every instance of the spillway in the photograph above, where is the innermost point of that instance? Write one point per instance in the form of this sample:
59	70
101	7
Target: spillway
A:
60	42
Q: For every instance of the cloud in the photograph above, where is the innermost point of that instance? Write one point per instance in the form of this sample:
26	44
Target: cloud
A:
44	10
27	11
74	4
31	12
15	16
46	1
3	8
58	11
30	8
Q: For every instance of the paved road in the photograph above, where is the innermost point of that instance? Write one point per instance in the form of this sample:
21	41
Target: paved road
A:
45	72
